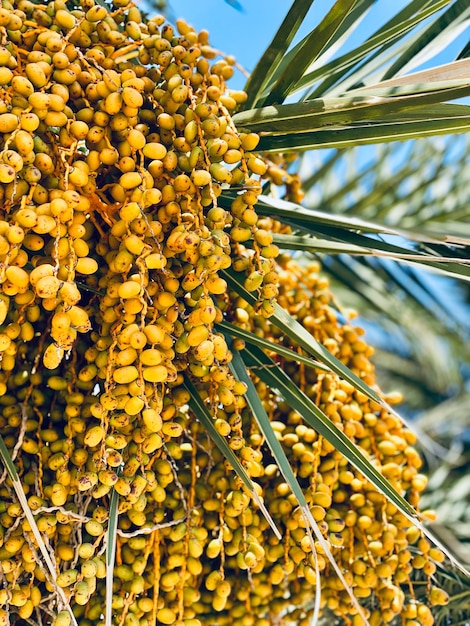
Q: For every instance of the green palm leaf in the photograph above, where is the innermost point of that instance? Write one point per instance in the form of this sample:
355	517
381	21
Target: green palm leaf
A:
413	94
197	405
253	339
266	369
111	539
343	66
272	57
405	29
256	406
363	246
297	333
345	236
437	35
278	380
298	127
309	50
363	134
393	187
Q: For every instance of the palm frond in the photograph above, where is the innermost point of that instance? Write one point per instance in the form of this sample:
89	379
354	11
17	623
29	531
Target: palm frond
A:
350	119
270	61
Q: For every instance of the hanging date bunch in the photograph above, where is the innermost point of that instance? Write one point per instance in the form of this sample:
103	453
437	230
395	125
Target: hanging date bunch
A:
117	145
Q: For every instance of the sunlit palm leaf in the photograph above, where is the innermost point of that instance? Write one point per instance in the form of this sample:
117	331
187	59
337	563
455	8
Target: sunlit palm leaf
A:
349	25
266	369
278	380
309	50
378	248
436	36
414	93
419	187
312	218
366	133
375	67
351	121
272	57
336	70
253	339
348	232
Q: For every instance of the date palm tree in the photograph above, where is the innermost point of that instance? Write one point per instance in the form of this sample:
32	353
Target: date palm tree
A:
213	446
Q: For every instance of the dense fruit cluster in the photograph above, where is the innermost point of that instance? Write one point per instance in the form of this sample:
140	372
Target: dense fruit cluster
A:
116	140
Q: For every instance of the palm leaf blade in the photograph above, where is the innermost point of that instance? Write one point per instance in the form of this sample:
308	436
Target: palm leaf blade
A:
446	26
311	48
256	406
361	246
270	60
303	338
197	405
251	338
111	554
382	104
384	38
273	375
365	134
